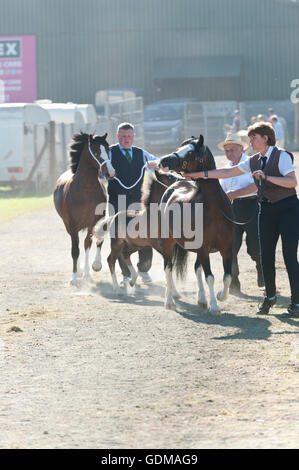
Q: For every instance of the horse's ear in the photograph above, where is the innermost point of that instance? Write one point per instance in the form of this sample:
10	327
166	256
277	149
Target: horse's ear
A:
105	135
199	143
90	137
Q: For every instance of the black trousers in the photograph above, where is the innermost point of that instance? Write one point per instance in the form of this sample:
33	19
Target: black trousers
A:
145	254
280	219
246	209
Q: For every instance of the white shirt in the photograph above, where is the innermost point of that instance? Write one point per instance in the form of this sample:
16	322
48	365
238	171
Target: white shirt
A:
237	182
285	164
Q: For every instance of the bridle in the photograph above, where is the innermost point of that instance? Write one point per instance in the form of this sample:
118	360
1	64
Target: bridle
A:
199	156
95	157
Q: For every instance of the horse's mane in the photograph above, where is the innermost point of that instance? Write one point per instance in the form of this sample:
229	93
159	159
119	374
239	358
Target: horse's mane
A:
149	186
75	150
146	192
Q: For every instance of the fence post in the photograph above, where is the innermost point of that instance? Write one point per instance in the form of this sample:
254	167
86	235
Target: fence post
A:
52	158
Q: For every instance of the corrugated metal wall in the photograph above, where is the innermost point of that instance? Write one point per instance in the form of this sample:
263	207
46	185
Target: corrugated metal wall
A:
84	46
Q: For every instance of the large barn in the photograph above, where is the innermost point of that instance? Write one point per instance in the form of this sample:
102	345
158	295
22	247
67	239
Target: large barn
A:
240	50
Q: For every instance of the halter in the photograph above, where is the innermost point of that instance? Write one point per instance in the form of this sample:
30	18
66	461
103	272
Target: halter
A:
198	157
95	158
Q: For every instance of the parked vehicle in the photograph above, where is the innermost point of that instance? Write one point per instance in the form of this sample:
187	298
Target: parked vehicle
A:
164	124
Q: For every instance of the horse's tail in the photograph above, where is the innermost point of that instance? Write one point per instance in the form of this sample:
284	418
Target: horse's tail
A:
102	228
179	261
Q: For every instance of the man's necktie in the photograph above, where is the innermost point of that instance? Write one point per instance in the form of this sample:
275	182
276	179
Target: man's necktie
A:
263	162
128	156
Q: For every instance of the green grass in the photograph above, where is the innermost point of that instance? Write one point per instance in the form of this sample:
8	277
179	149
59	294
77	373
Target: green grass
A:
11	207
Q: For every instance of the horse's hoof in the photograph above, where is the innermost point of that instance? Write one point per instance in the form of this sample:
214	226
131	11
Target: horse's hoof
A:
221	296
74	282
202	305
214	310
132	281
170	306
96	266
118	291
176	295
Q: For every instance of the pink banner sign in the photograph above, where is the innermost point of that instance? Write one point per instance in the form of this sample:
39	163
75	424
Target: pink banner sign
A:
17	69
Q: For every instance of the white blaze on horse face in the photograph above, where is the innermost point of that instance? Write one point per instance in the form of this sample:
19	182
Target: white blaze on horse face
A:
105	157
184	150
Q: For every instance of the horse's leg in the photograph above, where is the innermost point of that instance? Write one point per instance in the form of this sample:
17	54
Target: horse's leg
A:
127	252
201	296
227	258
116	249
205	262
75	255
174	292
87	245
167	251
97	263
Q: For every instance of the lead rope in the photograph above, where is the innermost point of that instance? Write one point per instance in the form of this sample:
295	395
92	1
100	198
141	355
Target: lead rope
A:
136	182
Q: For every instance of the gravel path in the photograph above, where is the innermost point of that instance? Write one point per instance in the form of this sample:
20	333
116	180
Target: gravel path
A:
81	368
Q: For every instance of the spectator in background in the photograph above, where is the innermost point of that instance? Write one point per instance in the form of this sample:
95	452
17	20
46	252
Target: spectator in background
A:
261	118
236	122
279	131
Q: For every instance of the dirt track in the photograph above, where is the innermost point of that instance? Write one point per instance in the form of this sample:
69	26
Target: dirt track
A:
80	368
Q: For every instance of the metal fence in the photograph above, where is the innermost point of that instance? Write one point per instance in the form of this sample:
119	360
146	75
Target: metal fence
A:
209	119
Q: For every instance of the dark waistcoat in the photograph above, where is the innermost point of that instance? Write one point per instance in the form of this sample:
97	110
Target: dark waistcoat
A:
271	191
127	172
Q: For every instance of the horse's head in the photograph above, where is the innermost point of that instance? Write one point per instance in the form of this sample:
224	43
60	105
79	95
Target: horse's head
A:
99	150
191	156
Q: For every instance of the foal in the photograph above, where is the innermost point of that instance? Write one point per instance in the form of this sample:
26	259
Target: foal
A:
122	242
79	190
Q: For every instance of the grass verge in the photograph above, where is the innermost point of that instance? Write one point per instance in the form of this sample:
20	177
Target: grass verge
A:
11	207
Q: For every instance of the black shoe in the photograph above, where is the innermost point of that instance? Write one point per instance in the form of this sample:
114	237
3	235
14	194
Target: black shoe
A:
293	311
266	305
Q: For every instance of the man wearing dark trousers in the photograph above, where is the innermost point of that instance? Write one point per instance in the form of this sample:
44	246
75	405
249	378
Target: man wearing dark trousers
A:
241	190
128	162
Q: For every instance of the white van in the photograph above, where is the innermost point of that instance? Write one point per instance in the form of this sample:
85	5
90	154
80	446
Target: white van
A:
23	134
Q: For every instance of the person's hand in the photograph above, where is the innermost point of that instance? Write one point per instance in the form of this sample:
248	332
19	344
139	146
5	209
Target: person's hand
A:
191	176
259	174
231	195
153	164
187	176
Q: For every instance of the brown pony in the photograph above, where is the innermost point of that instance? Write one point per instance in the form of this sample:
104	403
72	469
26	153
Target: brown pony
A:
217	229
78	192
121	241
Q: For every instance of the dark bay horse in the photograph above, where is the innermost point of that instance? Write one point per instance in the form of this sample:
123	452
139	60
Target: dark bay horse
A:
217	228
78	192
121	241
